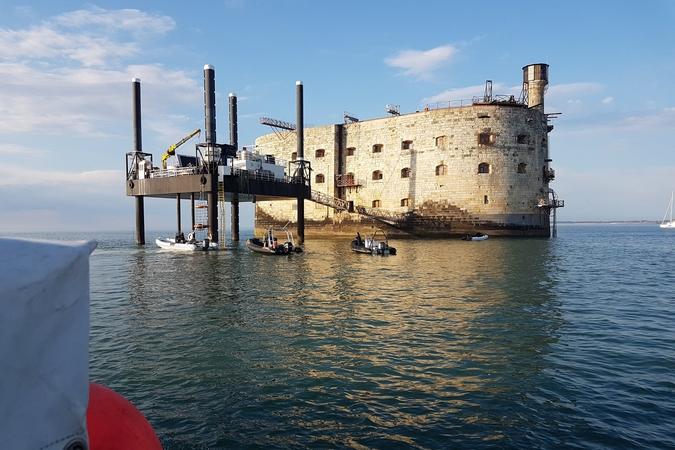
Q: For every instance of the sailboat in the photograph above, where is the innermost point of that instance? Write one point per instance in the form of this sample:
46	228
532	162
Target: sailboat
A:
669	211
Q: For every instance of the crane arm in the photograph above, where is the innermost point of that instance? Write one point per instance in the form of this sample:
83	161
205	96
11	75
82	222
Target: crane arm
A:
172	149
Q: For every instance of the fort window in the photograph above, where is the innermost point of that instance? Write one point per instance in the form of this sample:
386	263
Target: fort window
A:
320	153
483	168
442	142
441	169
485	200
377	175
351	151
406	145
522	168
405	202
523	139
405	172
294	156
377	148
320	178
486	139
377	203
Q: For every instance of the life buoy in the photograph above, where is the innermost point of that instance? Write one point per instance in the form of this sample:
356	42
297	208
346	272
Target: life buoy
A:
131	184
202	180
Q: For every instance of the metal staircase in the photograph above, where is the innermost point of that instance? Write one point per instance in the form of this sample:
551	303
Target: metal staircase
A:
438	217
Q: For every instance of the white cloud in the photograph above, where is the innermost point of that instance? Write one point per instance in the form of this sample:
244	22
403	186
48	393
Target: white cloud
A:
131	20
607	100
90	37
466	93
421	63
97	180
17	149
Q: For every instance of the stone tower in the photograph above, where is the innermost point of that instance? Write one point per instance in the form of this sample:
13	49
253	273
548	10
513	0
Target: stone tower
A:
535	77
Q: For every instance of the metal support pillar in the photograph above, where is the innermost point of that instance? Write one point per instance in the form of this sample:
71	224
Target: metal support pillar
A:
300	130
138	147
178	224
234	138
211	160
192	209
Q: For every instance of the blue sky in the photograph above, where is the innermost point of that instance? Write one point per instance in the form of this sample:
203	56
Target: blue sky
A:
65	71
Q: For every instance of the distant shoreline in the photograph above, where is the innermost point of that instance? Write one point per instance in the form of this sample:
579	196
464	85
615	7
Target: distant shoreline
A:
606	222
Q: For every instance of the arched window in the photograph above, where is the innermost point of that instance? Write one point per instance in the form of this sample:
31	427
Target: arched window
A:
483	168
441	169
485	200
405	202
377	203
522	168
351	151
406	145
405	172
320	178
320	153
377	175
377	148
294	156
442	142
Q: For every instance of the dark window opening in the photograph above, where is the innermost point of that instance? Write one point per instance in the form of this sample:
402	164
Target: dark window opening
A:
376	203
483	168
405	202
320	153
377	148
486	139
294	156
523	139
405	173
351	151
320	178
441	169
522	168
406	145
377	175
485	200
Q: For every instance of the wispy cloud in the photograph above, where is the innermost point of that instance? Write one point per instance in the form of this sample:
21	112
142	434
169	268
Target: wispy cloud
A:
17	149
96	180
468	92
422	63
131	20
73	66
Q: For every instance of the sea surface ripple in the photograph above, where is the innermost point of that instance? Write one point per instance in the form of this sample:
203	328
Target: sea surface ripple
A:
508	343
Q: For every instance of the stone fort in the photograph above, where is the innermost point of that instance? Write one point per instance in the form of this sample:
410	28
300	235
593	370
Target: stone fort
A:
451	169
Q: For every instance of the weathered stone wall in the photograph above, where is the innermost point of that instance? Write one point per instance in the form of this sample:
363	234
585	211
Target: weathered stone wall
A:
443	158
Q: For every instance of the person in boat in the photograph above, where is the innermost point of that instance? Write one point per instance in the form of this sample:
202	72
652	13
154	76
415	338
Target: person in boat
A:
180	238
358	239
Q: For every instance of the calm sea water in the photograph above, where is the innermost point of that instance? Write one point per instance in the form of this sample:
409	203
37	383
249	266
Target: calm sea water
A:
512	343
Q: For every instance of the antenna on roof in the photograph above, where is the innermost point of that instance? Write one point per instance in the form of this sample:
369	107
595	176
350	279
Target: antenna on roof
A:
394	110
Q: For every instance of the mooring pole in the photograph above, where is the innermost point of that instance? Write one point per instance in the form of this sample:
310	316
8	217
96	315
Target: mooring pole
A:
300	130
178	214
212	154
138	147
234	141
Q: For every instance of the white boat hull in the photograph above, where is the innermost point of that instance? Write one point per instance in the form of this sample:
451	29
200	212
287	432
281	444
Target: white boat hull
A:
669	225
170	244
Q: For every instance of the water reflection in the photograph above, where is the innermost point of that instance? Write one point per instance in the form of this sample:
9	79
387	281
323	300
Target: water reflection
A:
335	348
